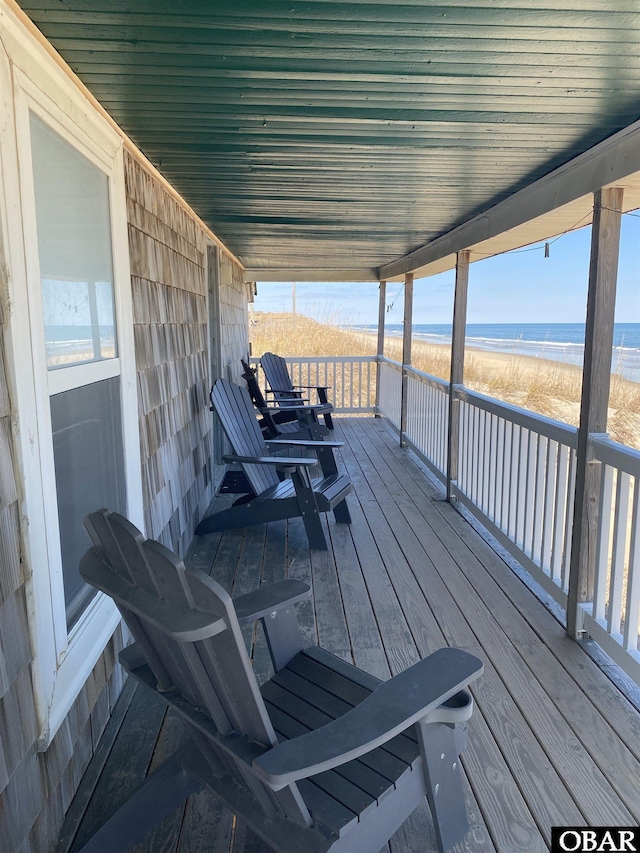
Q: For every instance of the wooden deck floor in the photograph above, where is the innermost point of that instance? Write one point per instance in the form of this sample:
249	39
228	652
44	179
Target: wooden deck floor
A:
552	740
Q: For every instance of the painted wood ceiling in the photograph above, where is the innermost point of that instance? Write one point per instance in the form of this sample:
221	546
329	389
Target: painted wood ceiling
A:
343	135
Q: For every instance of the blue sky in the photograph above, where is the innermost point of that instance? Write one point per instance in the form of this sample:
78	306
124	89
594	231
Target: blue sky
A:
517	287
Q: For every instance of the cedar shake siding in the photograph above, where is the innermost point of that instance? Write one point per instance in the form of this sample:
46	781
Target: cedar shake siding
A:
168	258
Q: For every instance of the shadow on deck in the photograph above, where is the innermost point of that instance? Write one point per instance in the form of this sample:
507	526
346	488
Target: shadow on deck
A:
552	740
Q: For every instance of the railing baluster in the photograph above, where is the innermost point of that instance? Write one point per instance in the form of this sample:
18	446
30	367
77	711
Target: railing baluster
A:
475	416
485	462
557	547
467	448
523	441
538	501
493	471
549	495
500	451
618	553
633	588
568	527
513	481
603	547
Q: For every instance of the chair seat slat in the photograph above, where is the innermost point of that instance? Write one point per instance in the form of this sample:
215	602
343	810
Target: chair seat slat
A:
326	810
299	717
382	760
335	707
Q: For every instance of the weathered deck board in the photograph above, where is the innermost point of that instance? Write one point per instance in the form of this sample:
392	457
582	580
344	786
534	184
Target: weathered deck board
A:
587	744
553	741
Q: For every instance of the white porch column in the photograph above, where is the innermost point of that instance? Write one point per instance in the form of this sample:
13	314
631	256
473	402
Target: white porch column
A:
456	376
382	309
406	350
603	271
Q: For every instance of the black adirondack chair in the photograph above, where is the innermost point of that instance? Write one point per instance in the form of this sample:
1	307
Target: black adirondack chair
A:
289	422
284	391
274	498
323	757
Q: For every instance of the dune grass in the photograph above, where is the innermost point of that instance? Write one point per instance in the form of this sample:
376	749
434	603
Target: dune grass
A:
549	388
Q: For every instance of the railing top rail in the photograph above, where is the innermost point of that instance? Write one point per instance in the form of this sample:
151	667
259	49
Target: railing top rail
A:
555	430
441	384
313	359
389	362
616	455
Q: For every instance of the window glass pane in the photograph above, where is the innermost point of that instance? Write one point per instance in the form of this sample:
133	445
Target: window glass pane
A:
89	465
74	244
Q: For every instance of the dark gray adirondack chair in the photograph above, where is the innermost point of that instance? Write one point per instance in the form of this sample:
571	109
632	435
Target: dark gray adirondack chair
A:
323	757
272	497
290	422
284	392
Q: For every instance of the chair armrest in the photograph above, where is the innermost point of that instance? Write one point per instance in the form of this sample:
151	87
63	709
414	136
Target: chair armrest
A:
287	461
269	598
302	442
319	408
389	710
294	396
315	387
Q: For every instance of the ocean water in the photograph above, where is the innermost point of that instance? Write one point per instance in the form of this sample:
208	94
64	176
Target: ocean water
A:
554	341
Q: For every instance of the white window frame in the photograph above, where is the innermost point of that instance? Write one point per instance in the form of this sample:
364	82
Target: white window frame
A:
62	660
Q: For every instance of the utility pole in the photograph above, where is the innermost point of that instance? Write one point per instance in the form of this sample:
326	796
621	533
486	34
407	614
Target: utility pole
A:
293	298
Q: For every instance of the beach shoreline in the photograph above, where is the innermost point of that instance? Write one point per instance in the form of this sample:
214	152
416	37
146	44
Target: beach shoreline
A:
544	386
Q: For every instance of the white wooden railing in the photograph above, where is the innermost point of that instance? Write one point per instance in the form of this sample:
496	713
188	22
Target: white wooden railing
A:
613	617
427	419
390	390
351	379
516	475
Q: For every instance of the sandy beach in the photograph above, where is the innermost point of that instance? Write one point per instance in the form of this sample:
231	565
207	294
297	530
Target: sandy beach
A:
550	388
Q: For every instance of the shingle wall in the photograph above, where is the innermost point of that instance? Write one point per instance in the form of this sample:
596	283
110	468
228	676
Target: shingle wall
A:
169	282
234	319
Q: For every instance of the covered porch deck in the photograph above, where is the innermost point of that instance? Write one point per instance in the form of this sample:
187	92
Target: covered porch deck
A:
553	741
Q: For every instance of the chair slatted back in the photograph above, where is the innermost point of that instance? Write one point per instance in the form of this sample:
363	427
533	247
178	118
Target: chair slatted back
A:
277	374
237	416
253	386
186	626
212	668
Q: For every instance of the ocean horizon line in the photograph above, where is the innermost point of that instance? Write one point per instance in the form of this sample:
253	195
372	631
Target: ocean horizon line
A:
562	342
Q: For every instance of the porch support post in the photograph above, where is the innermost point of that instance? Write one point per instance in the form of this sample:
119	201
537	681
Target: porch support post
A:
382	309
457	364
215	346
406	351
603	270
